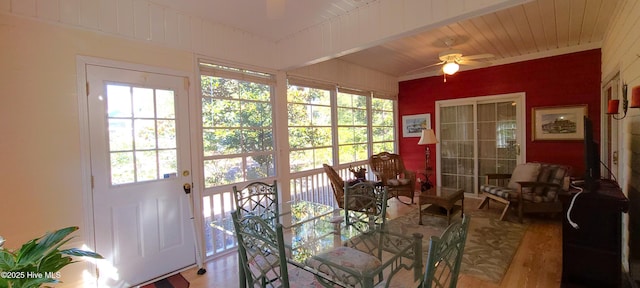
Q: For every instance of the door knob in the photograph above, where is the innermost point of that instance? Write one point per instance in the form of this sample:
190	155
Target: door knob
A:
187	188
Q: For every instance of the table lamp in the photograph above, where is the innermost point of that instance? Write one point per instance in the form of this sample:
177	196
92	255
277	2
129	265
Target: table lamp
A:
427	138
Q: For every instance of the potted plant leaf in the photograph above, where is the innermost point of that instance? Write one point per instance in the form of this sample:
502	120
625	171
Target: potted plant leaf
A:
39	261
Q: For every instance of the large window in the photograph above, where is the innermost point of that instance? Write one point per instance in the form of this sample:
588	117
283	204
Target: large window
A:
382	125
310	132
336	126
237	125
353	136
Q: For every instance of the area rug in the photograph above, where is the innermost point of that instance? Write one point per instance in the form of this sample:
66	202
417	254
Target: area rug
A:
173	281
490	246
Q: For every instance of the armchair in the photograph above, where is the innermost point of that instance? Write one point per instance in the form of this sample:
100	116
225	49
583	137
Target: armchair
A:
389	169
532	188
337	184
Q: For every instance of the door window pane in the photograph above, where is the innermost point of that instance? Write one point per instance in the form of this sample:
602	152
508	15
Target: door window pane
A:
136	133
496	137
457	144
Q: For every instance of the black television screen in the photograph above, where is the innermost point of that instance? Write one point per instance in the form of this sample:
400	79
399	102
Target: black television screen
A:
591	158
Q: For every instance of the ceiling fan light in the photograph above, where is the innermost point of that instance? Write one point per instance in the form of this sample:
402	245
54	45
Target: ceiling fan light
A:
450	68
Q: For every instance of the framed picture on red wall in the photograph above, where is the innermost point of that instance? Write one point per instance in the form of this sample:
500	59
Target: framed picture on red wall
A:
558	122
412	125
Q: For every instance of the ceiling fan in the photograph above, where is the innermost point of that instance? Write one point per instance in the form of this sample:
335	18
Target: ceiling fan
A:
451	59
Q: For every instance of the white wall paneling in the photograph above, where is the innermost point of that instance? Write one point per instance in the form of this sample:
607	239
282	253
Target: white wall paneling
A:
108	16
157	23
24	7
89	14
620	51
125	18
141	20
48	9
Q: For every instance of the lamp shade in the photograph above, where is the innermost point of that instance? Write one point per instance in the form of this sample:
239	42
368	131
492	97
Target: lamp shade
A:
427	137
450	68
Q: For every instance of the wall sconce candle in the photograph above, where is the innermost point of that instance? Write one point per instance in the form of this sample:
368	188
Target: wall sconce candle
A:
612	108
635	97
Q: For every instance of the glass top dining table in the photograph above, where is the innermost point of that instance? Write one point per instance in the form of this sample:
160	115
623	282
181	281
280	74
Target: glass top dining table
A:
317	229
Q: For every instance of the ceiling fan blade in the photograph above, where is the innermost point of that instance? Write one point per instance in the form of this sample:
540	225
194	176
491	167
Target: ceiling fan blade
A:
424	67
477	56
474	63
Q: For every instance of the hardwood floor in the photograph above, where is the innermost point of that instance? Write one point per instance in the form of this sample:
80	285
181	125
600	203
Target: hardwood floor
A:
537	263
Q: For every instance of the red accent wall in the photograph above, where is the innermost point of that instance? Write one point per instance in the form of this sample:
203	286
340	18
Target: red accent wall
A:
568	79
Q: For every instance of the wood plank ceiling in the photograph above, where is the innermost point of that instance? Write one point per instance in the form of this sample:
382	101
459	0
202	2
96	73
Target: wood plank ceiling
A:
535	29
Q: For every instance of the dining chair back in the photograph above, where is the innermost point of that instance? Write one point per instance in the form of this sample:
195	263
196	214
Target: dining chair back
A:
365	205
258	198
261	251
445	255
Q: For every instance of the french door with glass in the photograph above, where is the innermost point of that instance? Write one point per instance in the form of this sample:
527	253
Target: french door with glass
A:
478	136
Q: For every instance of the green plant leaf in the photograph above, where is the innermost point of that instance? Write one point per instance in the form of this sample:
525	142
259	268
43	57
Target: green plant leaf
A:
53	263
36	282
40	255
26	250
44	245
81	253
7	260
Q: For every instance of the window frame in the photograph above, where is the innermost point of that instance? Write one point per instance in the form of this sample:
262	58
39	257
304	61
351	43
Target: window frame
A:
208	69
369	111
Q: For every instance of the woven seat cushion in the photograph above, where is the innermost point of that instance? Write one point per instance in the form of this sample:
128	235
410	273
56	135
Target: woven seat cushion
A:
345	257
502	192
527	172
398	182
263	263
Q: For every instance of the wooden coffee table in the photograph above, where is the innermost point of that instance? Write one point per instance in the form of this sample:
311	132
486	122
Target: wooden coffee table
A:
444	202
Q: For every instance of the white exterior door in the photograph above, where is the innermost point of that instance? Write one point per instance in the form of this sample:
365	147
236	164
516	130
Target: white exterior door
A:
140	159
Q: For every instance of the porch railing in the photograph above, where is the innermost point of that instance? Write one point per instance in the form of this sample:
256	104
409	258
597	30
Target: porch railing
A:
218	204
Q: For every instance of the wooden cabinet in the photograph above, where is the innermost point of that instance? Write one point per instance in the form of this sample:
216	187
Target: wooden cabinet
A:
592	254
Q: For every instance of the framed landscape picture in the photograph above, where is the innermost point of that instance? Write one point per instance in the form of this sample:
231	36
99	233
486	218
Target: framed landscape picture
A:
558	123
412	125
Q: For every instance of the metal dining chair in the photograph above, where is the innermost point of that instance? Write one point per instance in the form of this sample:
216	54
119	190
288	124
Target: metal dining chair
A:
258	198
365	205
263	256
445	255
261	251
